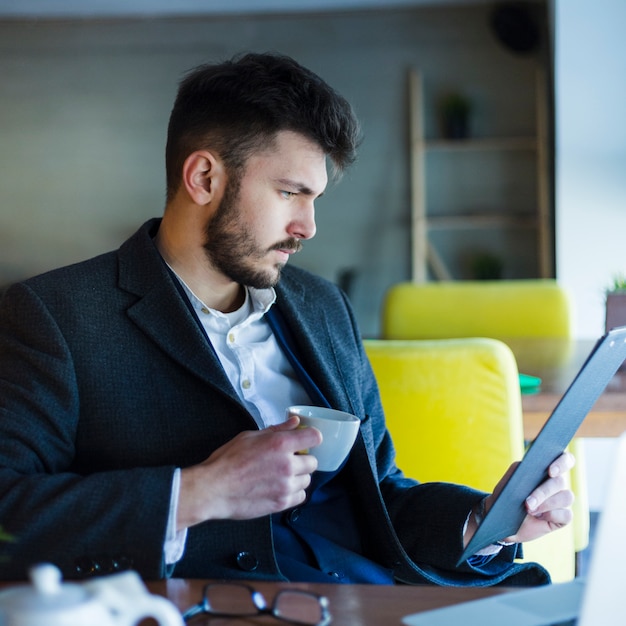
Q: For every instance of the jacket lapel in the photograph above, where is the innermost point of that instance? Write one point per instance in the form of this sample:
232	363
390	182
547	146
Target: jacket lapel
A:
315	339
161	313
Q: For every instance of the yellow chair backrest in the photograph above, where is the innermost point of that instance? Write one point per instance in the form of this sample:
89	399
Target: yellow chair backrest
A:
500	309
453	408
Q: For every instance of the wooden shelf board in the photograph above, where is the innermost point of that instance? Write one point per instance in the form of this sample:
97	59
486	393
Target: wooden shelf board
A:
477	145
481	221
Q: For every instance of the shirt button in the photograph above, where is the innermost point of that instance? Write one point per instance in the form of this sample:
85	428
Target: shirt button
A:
246	384
231	337
205	310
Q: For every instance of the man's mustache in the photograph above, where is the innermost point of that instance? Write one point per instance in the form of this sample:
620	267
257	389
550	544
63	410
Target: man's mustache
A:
288	244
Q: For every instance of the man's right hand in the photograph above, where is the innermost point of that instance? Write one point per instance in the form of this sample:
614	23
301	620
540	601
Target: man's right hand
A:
256	473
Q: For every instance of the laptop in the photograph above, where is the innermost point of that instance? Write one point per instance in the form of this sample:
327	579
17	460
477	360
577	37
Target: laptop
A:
594	601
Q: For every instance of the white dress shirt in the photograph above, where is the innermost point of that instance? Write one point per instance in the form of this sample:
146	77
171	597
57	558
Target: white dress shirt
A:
254	363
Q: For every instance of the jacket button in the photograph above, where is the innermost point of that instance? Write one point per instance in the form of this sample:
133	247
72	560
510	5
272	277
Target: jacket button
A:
86	566
294	515
83	566
247	561
118	564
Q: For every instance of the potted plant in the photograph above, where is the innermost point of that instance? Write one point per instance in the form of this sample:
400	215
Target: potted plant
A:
454	109
486	266
616	302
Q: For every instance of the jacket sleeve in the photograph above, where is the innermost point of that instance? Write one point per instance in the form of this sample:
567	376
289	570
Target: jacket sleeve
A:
84	523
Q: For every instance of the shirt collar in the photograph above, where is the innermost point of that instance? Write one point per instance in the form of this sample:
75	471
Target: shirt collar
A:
261	299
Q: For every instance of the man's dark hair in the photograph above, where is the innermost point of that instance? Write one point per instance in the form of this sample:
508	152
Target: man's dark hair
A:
237	107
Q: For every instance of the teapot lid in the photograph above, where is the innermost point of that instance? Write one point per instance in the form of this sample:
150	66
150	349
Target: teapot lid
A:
45	593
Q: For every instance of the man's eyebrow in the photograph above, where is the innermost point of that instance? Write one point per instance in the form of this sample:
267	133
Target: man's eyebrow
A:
299	187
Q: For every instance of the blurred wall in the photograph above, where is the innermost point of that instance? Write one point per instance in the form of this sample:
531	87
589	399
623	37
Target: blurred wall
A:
590	66
84	106
590	87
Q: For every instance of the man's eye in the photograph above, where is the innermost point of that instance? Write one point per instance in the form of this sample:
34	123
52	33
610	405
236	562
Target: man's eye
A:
287	194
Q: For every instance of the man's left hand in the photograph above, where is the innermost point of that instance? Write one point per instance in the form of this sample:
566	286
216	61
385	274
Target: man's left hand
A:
548	507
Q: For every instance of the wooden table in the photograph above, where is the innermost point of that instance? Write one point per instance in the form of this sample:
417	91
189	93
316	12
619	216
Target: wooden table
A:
557	362
350	605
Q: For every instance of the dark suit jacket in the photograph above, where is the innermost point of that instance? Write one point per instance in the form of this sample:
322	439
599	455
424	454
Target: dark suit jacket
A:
107	384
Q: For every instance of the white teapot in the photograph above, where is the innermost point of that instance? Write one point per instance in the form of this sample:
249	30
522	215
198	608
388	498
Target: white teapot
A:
116	600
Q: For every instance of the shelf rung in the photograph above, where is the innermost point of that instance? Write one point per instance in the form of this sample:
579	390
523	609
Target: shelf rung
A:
466	145
481	221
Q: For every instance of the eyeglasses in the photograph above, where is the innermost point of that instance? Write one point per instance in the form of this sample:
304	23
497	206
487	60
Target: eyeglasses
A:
240	600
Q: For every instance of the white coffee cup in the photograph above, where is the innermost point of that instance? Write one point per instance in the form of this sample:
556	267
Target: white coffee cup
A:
339	430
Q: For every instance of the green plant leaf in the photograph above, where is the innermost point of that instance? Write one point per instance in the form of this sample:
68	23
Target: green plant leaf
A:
618	283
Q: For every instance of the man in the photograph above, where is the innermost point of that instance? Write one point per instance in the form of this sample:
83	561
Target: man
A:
142	393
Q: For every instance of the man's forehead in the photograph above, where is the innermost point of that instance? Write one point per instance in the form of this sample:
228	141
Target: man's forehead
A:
293	159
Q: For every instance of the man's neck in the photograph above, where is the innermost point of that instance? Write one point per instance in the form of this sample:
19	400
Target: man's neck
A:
191	264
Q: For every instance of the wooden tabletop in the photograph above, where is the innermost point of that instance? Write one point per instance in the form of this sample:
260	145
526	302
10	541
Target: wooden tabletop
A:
350	605
557	362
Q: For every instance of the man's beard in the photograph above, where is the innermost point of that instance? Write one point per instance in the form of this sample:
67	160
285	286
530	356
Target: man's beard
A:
232	249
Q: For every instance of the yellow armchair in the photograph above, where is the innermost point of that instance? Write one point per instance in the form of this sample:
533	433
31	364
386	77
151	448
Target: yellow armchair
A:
453	408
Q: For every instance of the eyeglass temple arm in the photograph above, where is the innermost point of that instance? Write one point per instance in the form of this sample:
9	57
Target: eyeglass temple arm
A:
196	609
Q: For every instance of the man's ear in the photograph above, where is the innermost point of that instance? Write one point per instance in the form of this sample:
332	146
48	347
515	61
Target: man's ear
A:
203	176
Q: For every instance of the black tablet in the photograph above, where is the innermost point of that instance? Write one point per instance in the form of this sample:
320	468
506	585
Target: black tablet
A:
508	511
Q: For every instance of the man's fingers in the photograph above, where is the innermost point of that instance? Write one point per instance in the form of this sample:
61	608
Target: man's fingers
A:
561	499
300	437
562	465
539	500
291	423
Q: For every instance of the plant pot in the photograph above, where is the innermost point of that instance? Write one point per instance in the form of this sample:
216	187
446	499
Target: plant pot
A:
455	126
454	113
615	310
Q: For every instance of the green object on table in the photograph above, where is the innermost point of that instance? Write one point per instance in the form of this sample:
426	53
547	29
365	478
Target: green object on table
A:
529	384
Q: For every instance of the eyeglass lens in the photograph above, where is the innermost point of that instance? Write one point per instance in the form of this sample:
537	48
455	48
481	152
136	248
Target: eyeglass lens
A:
233	599
297	607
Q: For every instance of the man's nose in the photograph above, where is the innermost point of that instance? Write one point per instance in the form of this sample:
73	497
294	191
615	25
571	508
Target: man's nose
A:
303	226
